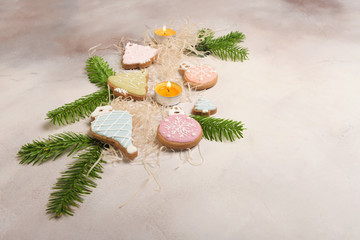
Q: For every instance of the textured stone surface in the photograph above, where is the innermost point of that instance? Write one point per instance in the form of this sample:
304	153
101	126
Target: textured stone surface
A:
295	175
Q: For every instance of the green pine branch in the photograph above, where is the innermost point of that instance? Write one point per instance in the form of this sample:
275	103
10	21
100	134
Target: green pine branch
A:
231	38
76	182
228	52
205	34
218	129
80	108
43	150
225	47
98	71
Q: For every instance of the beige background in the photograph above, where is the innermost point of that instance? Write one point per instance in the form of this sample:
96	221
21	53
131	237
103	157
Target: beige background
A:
295	175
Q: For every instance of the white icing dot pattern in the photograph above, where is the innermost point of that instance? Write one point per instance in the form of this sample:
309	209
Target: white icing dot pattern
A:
120	90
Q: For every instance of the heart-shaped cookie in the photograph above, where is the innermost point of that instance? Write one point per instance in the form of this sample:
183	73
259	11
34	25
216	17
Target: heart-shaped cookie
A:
138	56
131	84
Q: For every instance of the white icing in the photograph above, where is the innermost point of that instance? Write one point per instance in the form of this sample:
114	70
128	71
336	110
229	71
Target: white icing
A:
176	111
180	127
131	149
120	90
185	66
101	111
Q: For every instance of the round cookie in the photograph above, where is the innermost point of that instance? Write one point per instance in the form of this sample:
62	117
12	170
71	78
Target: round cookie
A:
201	77
179	131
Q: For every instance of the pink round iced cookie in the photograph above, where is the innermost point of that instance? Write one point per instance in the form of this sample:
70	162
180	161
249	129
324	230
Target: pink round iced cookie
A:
201	77
179	132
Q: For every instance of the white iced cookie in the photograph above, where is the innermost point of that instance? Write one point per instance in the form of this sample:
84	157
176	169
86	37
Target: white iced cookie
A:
184	66
100	111
175	110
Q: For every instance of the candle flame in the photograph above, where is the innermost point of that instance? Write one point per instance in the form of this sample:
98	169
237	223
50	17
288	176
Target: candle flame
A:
164	28
168	86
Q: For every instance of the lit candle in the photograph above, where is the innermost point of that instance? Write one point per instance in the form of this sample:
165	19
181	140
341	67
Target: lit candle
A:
164	33
168	93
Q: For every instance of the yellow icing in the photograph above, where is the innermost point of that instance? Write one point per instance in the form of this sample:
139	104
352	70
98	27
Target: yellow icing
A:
131	81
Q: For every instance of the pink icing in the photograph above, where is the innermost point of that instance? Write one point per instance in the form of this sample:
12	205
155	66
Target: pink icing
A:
180	128
135	53
201	74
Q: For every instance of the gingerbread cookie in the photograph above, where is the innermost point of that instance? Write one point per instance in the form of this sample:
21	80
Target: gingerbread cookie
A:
183	67
138	56
201	77
114	127
204	107
179	131
100	111
131	84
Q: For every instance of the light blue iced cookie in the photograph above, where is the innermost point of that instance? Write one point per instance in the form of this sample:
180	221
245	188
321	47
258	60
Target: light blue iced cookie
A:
114	127
204	107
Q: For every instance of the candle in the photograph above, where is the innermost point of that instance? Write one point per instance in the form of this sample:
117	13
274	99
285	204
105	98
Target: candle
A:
164	33
168	93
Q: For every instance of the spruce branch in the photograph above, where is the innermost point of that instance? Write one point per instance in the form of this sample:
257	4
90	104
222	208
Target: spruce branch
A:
228	52
75	182
80	108
219	129
98	71
205	34
43	150
225	47
231	38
